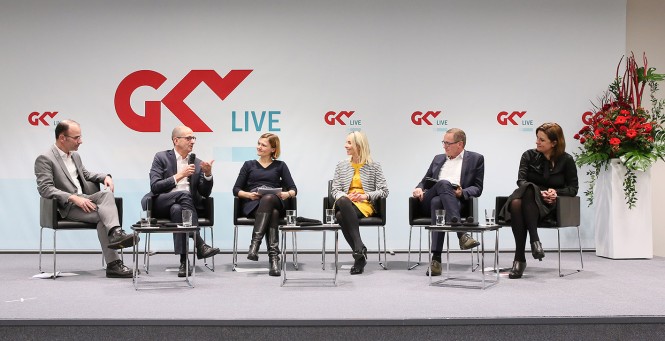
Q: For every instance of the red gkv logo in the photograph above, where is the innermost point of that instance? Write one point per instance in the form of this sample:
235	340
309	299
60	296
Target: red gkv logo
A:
174	100
331	117
589	117
36	117
418	118
504	117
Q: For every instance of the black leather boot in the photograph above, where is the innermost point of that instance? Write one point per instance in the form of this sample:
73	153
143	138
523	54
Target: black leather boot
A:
273	252
360	257
261	222
517	270
537	250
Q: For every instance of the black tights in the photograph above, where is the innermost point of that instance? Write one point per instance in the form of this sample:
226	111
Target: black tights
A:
348	217
524	217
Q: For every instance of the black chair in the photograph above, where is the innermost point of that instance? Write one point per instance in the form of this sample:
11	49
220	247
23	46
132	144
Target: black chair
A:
239	219
206	221
50	218
378	220
418	219
567	215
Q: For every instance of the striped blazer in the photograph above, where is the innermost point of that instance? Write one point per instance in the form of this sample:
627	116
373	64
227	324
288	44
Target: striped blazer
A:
371	177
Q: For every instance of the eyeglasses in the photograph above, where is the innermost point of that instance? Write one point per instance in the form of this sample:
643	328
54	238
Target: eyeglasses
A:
75	138
447	144
188	138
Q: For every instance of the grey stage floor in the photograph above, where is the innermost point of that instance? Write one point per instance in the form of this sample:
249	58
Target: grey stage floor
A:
606	288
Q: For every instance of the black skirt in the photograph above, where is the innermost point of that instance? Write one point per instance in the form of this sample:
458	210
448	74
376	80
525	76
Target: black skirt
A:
545	210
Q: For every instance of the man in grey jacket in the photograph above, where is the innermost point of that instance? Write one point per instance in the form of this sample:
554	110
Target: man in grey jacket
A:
61	175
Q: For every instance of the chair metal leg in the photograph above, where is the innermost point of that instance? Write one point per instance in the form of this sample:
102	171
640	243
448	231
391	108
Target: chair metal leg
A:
323	252
385	249
41	232
235	247
212	244
579	243
55	274
294	240
408	259
558	240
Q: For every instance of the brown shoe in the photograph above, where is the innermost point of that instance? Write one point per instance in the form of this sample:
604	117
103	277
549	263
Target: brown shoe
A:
466	242
436	268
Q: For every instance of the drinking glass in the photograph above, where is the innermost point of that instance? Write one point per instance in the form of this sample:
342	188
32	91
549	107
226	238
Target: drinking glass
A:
330	216
145	218
291	217
440	217
489	216
186	218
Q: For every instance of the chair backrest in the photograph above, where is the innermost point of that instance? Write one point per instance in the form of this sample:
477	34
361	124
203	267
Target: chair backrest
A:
567	212
417	217
239	218
50	217
206	215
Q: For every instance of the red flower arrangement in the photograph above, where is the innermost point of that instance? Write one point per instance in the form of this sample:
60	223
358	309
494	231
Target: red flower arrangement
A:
621	128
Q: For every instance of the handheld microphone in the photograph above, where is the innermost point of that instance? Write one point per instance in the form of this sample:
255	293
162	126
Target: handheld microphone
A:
190	161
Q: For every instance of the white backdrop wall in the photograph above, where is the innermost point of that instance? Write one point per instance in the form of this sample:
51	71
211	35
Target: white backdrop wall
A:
383	60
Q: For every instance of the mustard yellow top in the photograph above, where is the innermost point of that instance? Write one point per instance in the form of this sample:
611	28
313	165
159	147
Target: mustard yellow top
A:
356	186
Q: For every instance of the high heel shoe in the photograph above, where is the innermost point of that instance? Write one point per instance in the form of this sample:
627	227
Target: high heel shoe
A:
360	261
537	250
517	270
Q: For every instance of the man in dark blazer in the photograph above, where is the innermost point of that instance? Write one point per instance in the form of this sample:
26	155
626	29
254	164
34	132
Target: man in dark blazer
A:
177	185
457	174
60	175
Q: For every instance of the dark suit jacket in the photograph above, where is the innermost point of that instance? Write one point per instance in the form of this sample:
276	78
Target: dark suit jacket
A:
53	180
473	173
161	179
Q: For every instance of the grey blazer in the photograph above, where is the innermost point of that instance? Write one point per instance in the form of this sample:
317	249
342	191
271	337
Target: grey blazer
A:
53	180
371	177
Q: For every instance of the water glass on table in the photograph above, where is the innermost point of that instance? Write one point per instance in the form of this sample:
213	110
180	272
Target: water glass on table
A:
145	218
330	216
440	217
291	217
186	218
489	216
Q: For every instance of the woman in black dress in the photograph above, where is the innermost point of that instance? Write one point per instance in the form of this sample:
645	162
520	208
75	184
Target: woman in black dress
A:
545	173
266	209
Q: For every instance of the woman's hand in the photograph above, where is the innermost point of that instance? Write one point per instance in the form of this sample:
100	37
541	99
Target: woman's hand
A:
549	196
284	195
249	195
356	197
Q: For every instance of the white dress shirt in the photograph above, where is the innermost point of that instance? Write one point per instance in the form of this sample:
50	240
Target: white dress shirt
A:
452	169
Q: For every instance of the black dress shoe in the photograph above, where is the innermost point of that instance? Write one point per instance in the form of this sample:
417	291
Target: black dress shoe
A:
360	261
120	240
117	269
182	269
537	250
517	270
205	251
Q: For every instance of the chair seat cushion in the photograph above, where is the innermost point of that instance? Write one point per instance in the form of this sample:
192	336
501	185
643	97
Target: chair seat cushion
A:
422	221
73	225
370	221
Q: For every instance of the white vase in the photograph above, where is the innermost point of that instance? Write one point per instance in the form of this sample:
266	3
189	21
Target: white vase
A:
622	233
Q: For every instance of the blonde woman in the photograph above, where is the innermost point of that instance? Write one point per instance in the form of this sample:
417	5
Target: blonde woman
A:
266	209
358	181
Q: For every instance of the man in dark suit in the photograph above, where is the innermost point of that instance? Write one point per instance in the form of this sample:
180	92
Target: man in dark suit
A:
60	175
177	185
459	175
